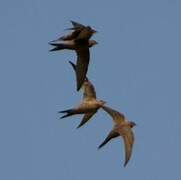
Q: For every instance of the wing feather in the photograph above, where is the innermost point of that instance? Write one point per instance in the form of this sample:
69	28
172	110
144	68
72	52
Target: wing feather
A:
128	138
116	116
83	56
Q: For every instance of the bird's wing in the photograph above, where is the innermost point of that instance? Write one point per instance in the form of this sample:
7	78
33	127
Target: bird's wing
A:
85	118
128	138
77	25
116	116
73	65
74	68
72	35
111	135
89	90
83	56
88	87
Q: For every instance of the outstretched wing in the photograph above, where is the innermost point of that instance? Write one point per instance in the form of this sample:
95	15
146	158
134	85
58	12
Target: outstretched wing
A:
128	138
83	56
72	35
77	25
111	135
86	118
116	116
88	87
89	90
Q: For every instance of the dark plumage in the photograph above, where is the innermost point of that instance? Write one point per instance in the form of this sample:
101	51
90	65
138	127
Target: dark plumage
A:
78	40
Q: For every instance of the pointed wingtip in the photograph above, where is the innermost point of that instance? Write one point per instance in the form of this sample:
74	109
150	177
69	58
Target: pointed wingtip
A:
70	62
78	126
98	148
73	22
73	65
124	165
79	85
126	162
76	24
78	88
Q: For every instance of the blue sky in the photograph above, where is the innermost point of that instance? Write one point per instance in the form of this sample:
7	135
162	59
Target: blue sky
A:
135	69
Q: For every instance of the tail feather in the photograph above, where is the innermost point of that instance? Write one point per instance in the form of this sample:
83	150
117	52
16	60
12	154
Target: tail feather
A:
66	115
54	49
69	112
58	46
65	111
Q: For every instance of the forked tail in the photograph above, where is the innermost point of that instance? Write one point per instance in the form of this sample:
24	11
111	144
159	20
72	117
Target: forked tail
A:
69	112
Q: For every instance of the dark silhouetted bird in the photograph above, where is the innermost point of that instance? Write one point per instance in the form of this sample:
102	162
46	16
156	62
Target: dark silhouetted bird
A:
78	40
122	127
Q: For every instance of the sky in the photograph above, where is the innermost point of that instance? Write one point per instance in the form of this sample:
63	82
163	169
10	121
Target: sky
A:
135	68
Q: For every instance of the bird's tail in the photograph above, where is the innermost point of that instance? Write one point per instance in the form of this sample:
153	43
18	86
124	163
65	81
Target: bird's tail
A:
69	112
58	46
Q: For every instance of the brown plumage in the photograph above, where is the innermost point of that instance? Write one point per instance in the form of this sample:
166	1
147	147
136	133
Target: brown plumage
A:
122	127
89	105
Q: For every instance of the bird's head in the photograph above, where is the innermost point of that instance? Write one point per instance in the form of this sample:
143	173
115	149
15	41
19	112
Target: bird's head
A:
102	102
132	124
93	31
92	43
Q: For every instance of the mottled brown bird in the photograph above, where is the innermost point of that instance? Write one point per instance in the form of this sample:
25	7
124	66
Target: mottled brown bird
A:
122	127
78	40
89	106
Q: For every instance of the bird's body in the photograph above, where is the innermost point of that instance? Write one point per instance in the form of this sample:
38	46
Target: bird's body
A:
122	127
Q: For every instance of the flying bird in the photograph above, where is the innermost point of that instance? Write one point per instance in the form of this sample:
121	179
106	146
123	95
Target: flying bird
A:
89	105
80	42
122	127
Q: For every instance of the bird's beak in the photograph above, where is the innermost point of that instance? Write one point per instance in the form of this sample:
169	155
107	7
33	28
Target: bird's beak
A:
134	124
104	102
94	31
